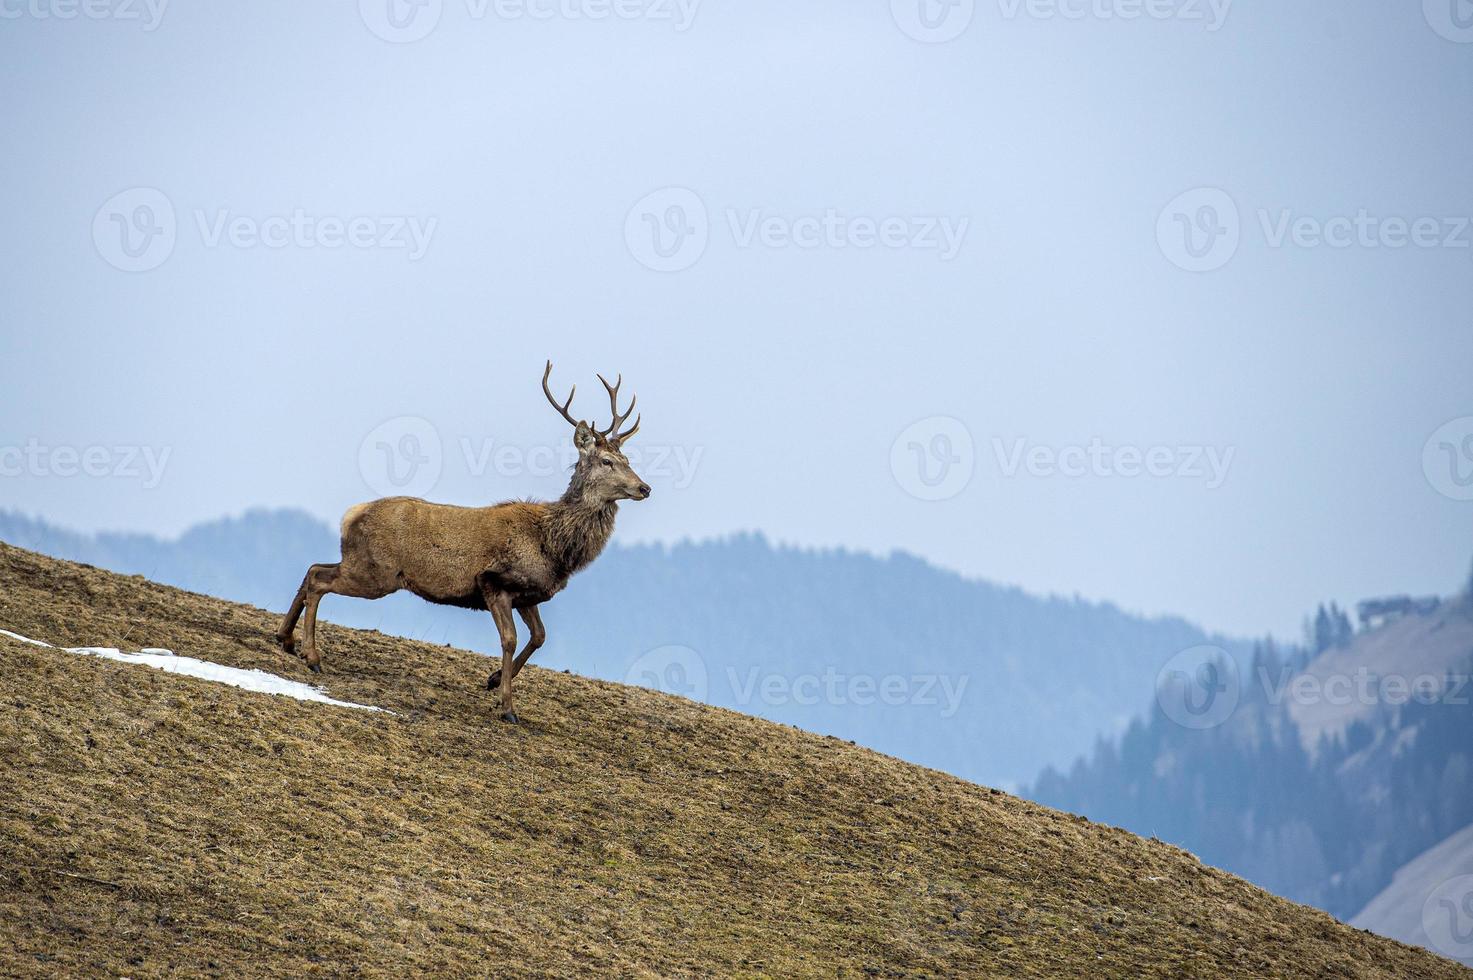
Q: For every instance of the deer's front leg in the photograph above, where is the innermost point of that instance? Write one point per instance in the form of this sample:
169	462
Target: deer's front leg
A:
500	605
536	635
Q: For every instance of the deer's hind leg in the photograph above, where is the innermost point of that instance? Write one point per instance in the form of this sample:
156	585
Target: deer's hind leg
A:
285	634
340	579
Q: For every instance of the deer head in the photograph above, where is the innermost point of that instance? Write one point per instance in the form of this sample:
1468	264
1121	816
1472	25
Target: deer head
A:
603	474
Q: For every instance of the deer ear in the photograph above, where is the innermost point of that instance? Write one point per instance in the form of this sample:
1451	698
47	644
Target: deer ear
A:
583	438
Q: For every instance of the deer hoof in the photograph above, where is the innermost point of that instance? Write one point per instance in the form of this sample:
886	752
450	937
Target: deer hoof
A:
316	667
510	717
288	643
494	681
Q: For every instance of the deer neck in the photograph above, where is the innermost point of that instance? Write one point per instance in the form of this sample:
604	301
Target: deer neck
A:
576	531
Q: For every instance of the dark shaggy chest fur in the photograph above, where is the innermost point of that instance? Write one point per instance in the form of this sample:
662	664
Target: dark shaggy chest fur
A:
574	534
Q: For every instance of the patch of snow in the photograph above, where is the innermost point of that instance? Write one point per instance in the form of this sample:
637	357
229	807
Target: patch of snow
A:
23	639
248	680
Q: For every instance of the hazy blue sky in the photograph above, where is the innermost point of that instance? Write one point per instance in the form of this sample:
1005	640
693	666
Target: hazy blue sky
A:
818	355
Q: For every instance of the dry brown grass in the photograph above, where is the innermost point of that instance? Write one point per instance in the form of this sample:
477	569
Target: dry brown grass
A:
155	825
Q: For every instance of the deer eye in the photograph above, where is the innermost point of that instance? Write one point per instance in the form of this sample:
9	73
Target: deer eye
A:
608	462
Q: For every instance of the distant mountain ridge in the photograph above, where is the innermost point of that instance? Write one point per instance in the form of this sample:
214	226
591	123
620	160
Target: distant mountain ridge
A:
1401	910
983	681
1330	782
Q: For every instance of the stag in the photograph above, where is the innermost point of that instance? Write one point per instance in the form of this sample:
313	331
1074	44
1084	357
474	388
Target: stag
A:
513	556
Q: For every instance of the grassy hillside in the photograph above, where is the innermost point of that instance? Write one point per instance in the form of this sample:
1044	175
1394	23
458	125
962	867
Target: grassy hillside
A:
1058	672
154	824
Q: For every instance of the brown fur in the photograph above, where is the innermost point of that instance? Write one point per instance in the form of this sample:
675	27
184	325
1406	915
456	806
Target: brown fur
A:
509	557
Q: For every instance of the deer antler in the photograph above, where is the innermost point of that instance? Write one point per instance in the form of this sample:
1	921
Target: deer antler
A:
612	432
563	408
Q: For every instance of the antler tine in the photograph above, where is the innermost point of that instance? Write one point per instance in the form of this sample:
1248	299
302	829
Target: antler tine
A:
563	408
624	437
612	431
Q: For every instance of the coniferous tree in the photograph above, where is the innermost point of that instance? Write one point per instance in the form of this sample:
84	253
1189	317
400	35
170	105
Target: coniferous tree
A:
1324	630
1340	626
